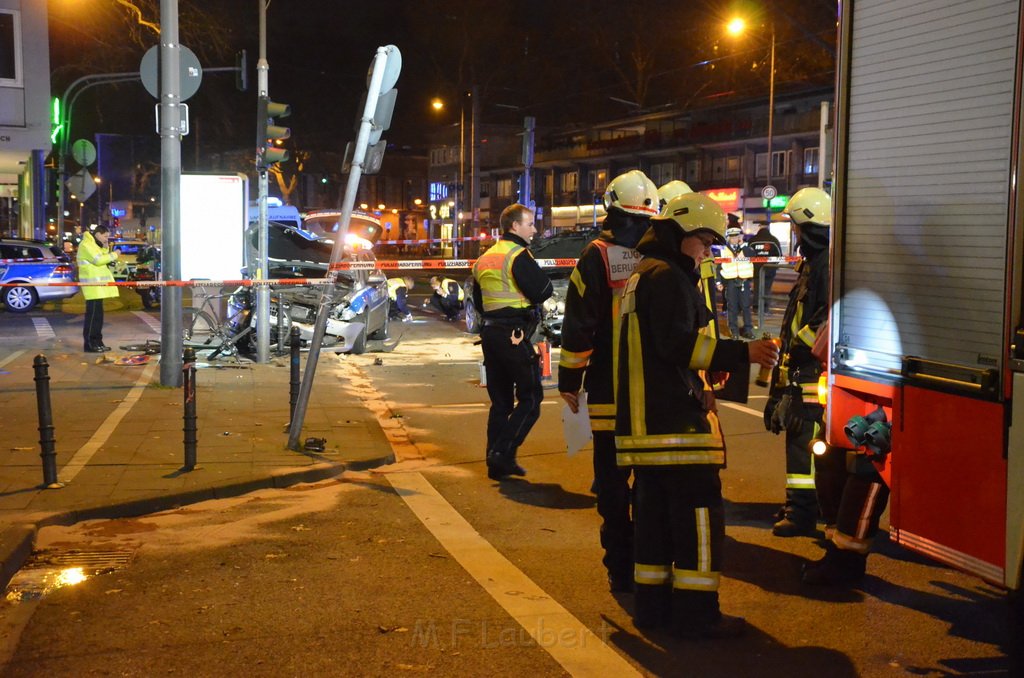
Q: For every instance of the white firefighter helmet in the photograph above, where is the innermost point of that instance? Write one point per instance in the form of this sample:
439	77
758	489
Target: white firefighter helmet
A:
696	212
634	193
810	206
671	190
733	231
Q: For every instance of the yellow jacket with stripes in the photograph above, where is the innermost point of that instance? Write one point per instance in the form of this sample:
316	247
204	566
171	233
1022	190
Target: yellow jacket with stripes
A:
92	267
660	416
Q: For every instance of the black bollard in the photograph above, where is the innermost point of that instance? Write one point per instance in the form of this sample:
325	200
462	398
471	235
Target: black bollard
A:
189	389
47	442
293	385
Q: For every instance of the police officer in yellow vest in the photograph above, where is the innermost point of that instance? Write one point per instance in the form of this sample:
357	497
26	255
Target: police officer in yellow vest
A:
509	286
666	427
448	297
93	256
737	273
398	293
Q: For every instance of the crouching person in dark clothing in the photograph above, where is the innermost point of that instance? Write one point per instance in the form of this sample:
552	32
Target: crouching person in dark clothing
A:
666	427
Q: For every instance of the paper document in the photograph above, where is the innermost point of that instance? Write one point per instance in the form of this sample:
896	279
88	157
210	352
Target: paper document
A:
576	426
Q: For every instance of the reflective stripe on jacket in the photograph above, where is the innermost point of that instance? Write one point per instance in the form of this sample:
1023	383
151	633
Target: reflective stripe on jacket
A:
493	273
92	267
735	268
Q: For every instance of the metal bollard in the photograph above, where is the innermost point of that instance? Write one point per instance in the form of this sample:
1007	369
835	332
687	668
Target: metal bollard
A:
189	391
293	385
46	439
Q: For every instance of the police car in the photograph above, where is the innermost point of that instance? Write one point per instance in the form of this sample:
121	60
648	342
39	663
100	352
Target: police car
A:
24	262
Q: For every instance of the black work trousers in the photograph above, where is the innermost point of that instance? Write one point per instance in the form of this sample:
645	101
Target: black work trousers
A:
447	305
801	497
399	305
514	386
92	329
680	532
737	302
613	505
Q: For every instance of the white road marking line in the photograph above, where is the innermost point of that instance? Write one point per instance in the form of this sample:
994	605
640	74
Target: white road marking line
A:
154	323
741	408
569	641
43	328
555	629
10	358
86	452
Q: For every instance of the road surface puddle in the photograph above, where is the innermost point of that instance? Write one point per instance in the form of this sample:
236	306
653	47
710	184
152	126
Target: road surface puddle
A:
51	569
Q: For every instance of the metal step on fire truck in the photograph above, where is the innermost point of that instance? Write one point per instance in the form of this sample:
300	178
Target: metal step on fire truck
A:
926	338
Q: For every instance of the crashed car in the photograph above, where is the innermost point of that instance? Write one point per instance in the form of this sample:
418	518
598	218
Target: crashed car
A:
359	306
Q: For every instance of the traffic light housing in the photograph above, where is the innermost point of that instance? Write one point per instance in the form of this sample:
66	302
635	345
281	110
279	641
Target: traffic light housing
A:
268	134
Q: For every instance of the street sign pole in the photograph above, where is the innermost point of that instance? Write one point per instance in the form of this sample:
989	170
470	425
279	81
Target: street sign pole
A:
382	76
262	264
170	195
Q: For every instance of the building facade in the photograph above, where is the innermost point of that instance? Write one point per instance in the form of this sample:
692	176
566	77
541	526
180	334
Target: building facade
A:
24	115
721	150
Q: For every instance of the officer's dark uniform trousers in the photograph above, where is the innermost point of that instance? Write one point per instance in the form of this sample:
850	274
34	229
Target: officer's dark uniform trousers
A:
513	372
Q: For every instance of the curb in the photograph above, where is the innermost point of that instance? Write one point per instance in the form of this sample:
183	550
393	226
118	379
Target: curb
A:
18	540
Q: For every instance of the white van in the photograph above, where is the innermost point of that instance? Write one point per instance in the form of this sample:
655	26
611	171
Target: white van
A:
287	215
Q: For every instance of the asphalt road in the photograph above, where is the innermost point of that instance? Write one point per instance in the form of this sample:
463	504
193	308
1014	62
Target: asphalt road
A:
428	567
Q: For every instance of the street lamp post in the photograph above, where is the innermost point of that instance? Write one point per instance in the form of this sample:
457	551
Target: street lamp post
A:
737	27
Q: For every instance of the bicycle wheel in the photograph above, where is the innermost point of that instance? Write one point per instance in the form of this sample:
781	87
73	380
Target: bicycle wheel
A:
197	326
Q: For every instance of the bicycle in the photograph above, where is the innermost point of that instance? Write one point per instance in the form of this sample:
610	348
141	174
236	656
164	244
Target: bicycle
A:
202	331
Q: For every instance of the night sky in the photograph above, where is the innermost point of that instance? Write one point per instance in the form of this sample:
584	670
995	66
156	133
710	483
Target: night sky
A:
561	61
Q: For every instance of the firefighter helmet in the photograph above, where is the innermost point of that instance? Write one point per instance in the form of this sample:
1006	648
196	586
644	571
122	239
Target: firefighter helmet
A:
671	190
634	193
810	206
696	212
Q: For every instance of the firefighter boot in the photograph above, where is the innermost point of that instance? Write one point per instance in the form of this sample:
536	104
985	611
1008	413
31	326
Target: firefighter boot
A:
793	525
838	567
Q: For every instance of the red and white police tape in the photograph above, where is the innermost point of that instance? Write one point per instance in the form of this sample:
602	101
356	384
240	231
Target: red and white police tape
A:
387	265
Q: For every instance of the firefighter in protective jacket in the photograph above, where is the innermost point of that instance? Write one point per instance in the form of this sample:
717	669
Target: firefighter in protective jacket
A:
793	398
589	328
666	428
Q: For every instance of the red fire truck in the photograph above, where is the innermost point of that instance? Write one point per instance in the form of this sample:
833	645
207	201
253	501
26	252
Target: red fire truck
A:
926	324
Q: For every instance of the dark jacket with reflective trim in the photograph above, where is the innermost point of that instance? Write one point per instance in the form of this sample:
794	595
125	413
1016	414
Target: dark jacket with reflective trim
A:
660	419
805	315
590	324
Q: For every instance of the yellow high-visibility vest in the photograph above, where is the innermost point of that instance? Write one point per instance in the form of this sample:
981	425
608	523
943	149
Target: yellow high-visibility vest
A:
493	273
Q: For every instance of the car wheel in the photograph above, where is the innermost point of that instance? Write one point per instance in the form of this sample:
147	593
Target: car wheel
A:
472	317
20	299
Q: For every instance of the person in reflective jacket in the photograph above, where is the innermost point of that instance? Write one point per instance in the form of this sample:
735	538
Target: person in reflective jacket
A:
792	406
93	257
509	287
448	297
666	428
398	292
589	328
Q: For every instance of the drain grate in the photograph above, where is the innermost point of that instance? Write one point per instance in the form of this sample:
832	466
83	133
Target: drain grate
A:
85	559
50	569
